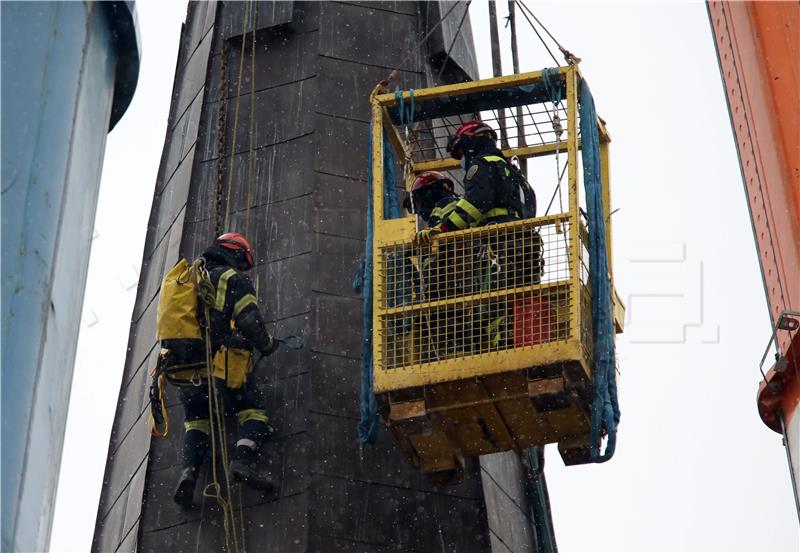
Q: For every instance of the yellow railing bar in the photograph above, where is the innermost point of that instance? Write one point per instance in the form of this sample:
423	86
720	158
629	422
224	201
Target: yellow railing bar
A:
572	160
472	298
501	228
377	213
445	164
470	87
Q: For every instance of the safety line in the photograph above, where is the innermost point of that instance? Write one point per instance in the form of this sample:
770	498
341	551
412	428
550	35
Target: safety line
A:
206	291
216	407
236	115
252	118
564	170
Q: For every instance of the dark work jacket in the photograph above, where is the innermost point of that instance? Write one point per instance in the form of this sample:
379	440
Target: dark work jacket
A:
235	302
487	194
442	209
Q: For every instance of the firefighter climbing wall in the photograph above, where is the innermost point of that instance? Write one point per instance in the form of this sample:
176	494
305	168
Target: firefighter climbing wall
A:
275	146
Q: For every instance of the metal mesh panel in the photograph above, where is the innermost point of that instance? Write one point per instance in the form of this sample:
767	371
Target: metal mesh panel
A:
490	289
527	125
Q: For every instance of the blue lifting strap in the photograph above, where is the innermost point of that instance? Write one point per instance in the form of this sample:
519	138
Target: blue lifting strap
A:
551	84
368	423
605	412
406	113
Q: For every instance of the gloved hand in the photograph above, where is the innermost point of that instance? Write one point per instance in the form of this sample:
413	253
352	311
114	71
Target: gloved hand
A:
270	347
424	237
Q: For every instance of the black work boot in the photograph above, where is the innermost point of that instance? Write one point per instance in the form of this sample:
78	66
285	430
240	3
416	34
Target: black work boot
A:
244	468
184	491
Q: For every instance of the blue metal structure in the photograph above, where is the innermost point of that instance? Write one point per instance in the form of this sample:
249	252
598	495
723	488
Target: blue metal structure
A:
69	70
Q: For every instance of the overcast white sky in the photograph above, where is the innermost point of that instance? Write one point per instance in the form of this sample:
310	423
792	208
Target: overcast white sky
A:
695	469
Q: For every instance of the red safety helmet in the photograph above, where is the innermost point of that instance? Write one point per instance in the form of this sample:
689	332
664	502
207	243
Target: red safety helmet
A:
468	129
236	242
429	179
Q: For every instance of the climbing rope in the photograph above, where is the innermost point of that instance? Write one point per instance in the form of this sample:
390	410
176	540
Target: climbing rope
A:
557	191
236	113
216	412
234	533
253	12
252	118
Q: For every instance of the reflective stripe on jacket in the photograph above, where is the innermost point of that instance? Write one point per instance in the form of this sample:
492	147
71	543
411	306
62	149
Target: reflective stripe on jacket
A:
482	204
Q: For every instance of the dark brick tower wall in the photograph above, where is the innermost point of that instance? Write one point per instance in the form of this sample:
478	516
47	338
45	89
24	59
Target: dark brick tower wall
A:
305	211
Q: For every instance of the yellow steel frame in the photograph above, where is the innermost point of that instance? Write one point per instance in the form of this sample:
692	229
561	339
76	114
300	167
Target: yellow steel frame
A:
398	231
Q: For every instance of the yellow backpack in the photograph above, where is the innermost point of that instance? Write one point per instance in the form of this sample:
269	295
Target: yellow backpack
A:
176	317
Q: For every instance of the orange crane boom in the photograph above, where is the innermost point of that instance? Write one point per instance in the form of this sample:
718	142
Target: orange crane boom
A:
758	45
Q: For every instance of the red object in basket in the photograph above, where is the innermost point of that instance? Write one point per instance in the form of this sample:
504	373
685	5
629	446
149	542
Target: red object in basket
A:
534	321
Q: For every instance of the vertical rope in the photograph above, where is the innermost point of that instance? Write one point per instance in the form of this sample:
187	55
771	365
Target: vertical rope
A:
234	536
236	115
252	118
217	425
